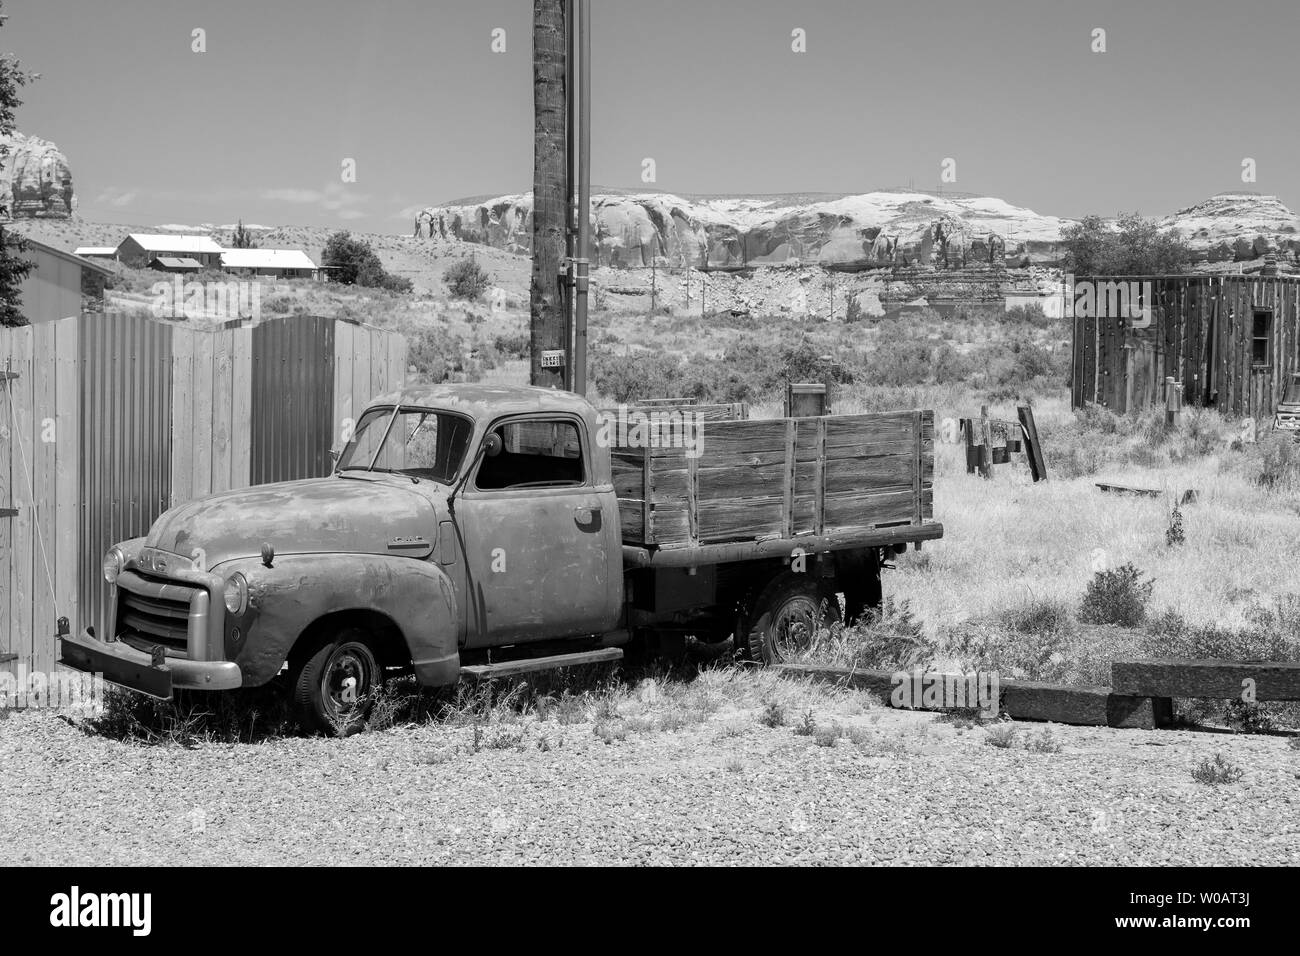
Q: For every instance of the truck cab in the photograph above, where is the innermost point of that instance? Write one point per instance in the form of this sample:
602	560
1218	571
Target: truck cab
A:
457	518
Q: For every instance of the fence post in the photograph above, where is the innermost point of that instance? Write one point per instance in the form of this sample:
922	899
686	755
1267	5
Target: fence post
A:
986	444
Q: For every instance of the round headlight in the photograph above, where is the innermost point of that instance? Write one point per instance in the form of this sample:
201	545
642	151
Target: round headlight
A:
236	593
113	562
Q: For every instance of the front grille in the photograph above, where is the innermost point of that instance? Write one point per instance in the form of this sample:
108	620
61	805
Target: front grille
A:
146	621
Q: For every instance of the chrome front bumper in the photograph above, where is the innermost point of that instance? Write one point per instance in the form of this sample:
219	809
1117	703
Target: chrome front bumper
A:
135	670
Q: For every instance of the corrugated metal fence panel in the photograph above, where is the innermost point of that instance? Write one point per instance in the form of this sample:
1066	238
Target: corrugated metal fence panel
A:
292	395
126	399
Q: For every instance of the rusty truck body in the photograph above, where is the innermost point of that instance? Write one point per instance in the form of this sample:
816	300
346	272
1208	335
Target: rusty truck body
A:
477	526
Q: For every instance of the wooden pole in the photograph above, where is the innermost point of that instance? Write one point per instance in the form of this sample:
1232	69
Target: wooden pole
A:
548	309
1033	449
986	444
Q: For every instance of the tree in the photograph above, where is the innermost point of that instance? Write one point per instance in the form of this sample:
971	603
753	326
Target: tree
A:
348	260
1134	246
351	261
13	269
548	316
466	279
241	238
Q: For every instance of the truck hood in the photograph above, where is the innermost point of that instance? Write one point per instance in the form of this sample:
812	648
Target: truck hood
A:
368	515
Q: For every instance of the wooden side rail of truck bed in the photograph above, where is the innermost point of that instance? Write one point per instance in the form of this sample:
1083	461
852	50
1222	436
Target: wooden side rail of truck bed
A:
854	480
635	556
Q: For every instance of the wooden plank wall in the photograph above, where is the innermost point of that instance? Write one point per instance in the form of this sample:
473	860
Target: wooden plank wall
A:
39	547
1201	337
368	362
780	478
211	420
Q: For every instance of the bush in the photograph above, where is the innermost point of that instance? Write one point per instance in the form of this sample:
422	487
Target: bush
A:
1279	462
351	261
1116	596
466	279
435	353
1217	770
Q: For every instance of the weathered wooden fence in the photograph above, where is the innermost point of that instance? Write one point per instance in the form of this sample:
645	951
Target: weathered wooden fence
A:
106	421
1230	341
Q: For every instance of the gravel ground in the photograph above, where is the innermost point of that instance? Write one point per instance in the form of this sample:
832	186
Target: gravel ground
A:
724	788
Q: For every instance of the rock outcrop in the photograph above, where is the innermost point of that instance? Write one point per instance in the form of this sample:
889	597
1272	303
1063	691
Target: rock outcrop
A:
36	180
850	233
841	232
1238	227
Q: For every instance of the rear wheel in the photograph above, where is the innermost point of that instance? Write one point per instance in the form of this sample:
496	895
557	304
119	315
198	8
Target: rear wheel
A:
787	616
334	683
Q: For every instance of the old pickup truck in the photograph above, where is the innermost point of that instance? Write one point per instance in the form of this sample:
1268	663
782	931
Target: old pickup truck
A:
489	529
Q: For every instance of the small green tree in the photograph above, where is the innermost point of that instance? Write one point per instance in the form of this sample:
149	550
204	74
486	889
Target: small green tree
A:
1134	246
241	238
466	279
13	268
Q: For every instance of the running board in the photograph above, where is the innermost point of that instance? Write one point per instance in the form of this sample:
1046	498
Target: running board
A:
527	665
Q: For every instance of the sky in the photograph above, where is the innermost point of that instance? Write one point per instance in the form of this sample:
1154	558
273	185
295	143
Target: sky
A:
260	124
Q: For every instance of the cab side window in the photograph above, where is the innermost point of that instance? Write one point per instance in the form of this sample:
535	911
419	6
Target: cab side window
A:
543	453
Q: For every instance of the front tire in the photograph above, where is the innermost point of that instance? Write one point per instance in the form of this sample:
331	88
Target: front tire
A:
333	684
787	616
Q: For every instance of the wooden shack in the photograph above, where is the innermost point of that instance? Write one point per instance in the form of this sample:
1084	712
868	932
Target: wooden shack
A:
1231	341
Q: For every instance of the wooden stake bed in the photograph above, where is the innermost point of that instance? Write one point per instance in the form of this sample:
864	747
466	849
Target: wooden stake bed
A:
781	479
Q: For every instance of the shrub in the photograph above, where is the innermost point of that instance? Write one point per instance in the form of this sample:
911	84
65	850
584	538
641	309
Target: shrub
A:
466	279
1116	596
1217	770
890	637
773	714
1003	736
1174	534
1279	462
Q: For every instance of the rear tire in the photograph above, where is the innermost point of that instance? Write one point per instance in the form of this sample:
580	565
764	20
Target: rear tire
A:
786	617
334	682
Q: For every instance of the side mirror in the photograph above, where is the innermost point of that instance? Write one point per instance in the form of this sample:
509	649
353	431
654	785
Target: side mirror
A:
492	445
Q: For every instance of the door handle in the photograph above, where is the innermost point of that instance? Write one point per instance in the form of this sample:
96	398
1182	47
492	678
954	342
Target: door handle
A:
587	518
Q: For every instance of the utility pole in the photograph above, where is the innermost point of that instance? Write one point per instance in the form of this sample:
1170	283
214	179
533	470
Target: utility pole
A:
654	282
549	327
579	187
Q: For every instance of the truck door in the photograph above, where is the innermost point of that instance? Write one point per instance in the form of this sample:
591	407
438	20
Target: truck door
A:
541	559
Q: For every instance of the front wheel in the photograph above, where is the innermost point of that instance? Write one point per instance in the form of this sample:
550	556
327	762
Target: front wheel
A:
787	617
334	684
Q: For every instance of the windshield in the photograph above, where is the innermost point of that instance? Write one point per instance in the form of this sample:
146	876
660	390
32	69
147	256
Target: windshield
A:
420	443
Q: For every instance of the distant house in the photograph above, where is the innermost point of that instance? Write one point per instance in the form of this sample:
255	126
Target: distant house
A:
55	286
175	264
139	249
96	252
276	263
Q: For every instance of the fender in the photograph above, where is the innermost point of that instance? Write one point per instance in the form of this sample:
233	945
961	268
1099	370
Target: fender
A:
299	589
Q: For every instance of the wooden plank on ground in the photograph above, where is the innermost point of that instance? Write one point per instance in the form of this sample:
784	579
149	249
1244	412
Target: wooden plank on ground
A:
1222	680
1020	700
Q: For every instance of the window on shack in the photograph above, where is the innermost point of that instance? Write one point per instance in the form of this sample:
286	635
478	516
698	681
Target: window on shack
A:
539	453
1261	337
